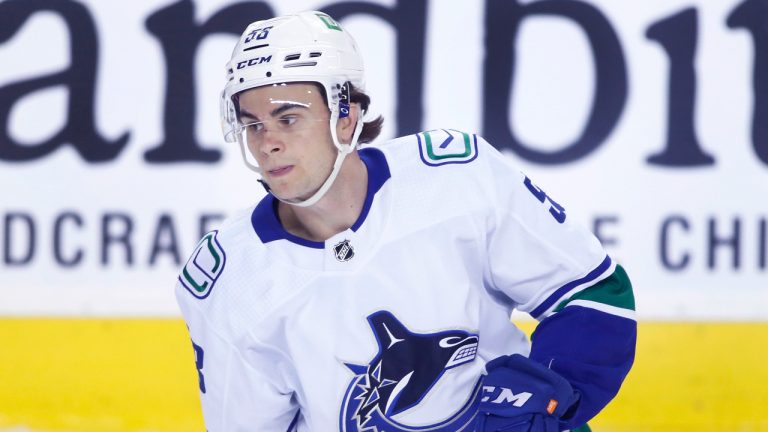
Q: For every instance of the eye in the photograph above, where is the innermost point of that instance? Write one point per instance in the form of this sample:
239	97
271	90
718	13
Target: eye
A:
255	126
288	120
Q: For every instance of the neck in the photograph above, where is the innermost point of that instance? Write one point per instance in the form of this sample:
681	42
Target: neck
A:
336	211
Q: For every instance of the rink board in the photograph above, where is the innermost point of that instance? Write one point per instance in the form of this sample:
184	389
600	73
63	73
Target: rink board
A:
104	375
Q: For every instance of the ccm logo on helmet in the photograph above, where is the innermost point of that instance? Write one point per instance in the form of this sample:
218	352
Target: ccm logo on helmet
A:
253	61
504	395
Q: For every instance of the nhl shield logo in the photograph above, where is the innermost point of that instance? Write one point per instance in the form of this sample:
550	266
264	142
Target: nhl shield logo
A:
343	251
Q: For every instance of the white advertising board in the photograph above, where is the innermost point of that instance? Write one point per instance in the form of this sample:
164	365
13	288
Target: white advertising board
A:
647	120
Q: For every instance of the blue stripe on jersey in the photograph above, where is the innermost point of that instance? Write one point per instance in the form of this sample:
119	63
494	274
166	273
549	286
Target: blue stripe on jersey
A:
292	427
560	292
593	350
267	225
378	174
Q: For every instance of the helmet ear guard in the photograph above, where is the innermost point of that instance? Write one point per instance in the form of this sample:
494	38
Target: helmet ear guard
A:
229	120
344	100
342	110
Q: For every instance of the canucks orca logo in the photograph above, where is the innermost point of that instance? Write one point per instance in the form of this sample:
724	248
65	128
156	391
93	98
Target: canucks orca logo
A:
401	374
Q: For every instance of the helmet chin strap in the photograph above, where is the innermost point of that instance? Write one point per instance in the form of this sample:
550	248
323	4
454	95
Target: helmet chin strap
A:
344	150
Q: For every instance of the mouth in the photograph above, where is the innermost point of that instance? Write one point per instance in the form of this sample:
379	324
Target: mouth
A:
280	171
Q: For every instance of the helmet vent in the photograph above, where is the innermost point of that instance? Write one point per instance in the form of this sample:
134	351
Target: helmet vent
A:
290	57
315	54
255	47
300	64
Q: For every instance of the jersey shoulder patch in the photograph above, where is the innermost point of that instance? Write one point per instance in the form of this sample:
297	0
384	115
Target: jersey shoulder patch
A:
447	146
204	266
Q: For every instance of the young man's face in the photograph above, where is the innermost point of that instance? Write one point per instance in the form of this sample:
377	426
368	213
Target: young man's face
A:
293	145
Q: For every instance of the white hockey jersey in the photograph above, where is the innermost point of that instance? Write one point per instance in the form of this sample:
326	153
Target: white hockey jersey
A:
387	325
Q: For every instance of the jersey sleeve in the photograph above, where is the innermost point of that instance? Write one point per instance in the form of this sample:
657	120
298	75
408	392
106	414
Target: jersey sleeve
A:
543	263
240	389
537	254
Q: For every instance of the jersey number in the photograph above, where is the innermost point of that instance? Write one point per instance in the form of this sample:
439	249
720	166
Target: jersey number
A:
259	33
556	210
199	364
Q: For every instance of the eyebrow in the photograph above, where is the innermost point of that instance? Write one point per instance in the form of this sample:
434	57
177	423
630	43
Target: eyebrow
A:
275	112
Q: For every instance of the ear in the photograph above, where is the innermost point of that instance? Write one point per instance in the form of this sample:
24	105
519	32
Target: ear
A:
345	127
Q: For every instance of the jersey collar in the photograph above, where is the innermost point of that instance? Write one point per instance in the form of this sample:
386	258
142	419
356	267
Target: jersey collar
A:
268	227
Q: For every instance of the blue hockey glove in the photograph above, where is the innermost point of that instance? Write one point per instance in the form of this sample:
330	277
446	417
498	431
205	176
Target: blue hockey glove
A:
521	395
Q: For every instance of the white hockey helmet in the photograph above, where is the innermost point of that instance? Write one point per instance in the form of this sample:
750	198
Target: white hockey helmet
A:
305	47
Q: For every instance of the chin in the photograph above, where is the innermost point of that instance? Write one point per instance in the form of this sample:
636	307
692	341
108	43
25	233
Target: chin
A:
286	194
280	189
296	197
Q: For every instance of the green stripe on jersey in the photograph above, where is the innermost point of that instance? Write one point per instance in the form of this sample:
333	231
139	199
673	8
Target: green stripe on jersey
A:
615	290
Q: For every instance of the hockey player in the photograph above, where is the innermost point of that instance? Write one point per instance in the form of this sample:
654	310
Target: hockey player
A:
371	289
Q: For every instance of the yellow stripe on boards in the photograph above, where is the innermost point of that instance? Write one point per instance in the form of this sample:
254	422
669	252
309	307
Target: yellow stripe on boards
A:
98	375
104	375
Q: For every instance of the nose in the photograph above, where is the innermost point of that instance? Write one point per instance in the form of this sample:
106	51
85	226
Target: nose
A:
268	142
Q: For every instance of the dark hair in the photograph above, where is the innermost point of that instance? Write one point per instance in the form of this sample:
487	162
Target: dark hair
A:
371	129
